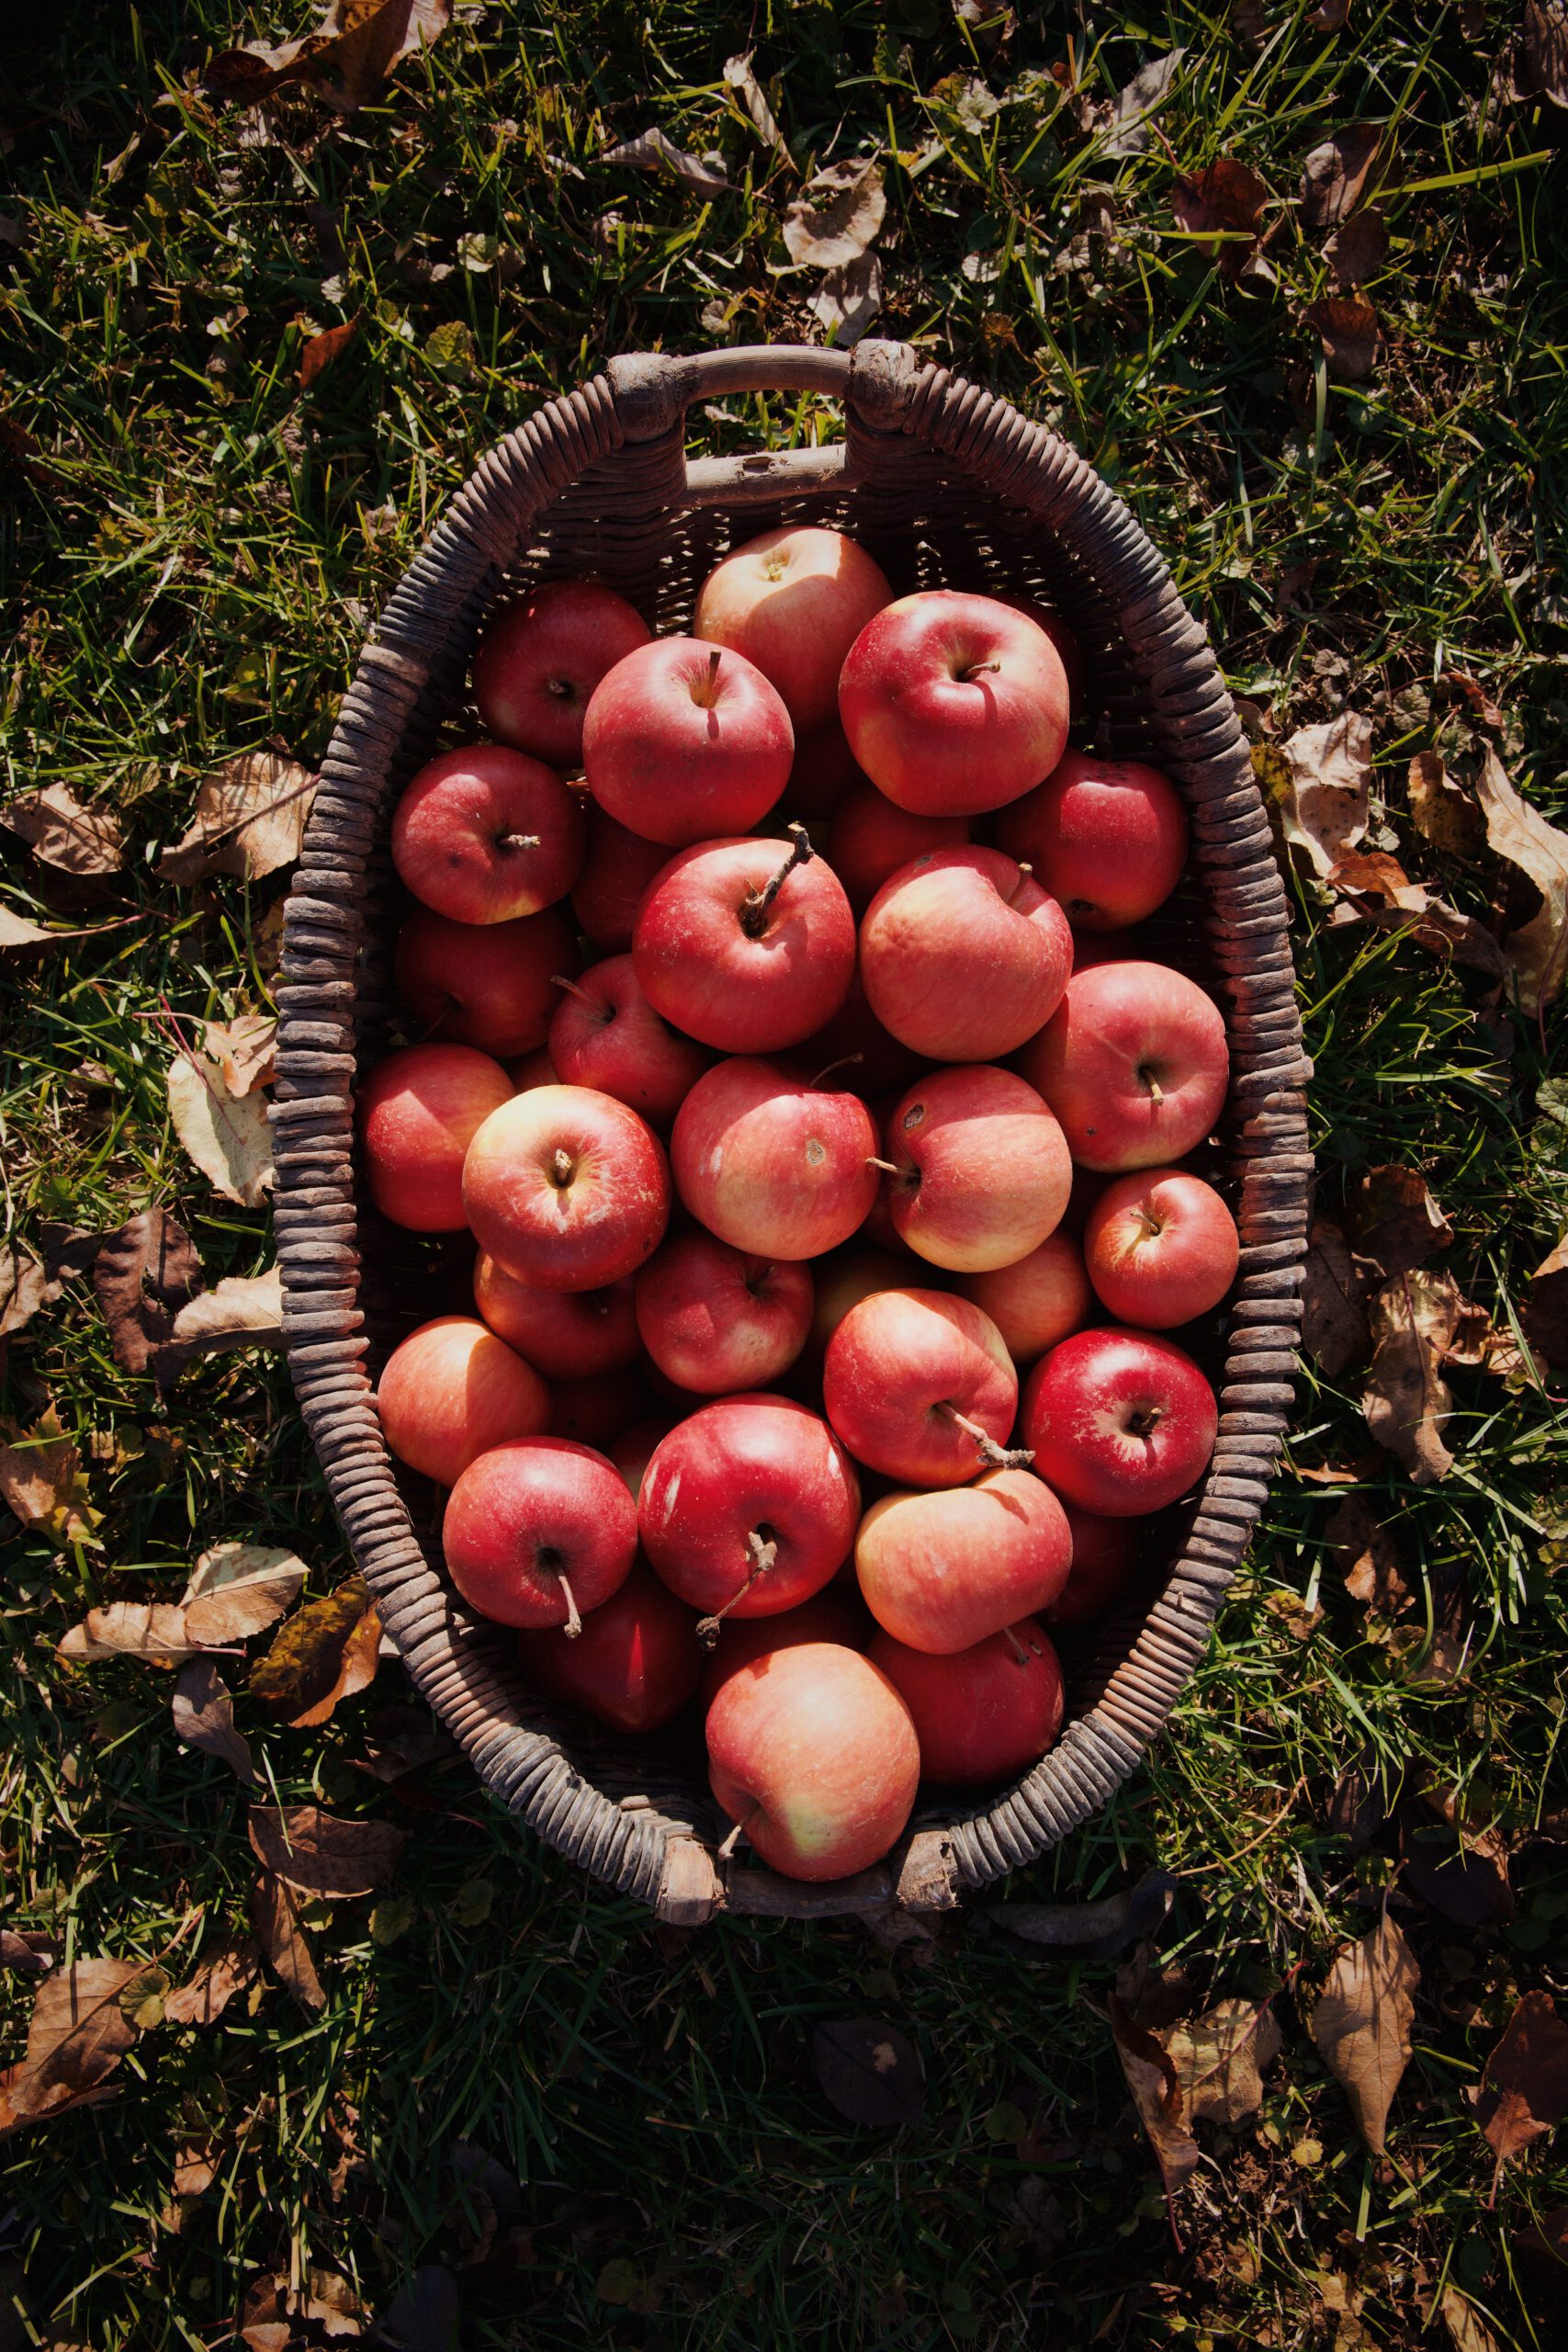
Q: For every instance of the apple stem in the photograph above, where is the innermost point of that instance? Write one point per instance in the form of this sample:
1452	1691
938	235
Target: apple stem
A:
1020	1653
764	1552
888	1167
757	904
559	980
725	1852
843	1062
517	841
703	691
573	1621
1024	867
1157	1091
977	669
994	1456
560	1167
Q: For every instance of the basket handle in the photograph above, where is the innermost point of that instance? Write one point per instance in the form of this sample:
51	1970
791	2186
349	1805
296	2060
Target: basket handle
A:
652	389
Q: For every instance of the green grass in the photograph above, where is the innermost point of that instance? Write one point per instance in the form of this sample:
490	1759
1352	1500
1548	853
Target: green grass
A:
192	547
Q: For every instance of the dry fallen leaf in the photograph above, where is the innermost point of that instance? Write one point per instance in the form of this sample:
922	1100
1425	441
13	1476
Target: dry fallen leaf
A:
244	1050
1518	832
347	57
275	1916
1467	2332
211	1989
61	833
228	1137
20	931
1441	811
1334	175
1545	1312
1218	2057
321	350
1346	327
1545	49
249	820
42	1481
1323	799
1222	206
153	1630
1459	1870
1395	1222
1413	1322
1129	133
76	2037
1156	2094
1333	1321
837	215
653	151
1362	1547
238	1590
28	1953
25	1286
1357	248
322	1854
738	77
1383	894
327	1651
847	299
244	1311
203	1716
1362	2024
142	1274
1523	2090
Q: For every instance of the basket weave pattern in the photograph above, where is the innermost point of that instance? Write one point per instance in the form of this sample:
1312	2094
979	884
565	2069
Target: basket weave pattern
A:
944	485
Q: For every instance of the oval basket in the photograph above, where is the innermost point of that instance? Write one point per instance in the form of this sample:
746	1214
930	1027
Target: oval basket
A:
945	486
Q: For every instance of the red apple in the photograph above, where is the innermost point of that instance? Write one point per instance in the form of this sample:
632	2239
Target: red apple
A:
940	1571
533	1069
451	1391
635	1664
828	1616
605	1034
635	1448
920	1386
540	659
1066	645
771	1164
857	1050
823	772
1134	1063
600	1410
565	1334
1120	1423
715	1319
617	869
964	956
980	1172
983	1714
538	1533
1106	1554
745	944
566	1188
811	1750
953	703
842	1281
794	601
418	1111
871	838
485	835
748	1507
1107	837
1036	1301
1161	1248
484	984
683	741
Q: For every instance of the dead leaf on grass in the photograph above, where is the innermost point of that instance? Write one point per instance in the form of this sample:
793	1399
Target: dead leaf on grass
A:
1545	49
25	1286
211	1990
238	1590
1156	2094
837	215
1129	133
1218	2059
1334	175
1335	1332
1413	1322
228	1137
1357	248
1395	1222
848	299
1346	327
142	1274
738	77
249	820
1362	1547
1523	2090
1372	886
1222	207
347	58
203	1714
28	1952
327	1651
1442	811
320	1853
61	833
1458	1872
1362	2024
870	2072
274	1915
653	151
1324	802
76	2037
153	1630
42	1481
1520	834
320	351
244	1050
242	1311
1467	2332
1544	1316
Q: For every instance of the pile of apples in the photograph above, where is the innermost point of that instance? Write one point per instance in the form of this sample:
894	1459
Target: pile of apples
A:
836	1133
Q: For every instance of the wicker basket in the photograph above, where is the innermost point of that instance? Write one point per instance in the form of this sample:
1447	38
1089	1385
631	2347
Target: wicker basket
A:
945	486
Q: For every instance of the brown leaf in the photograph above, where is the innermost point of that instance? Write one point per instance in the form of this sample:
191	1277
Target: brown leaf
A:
23	1289
1346	327
211	1989
738	77
1129	133
1357	248
274	1915
59	832
244	1050
1383	895
837	215
653	151
204	1717
313	1656
1545	1317
1329	16
42	1481
141	1274
1334	175
1156	2094
1518	832
238	1590
1463	686
1374	1572
847	299
1334	1321
1467	2332
153	1630
1217	2060
321	350
244	1311
1321	791
870	2072
319	1853
249	820
20	931
1523	2090
77	2036
1413	1322
1362	2024
30	1953
1440	810
228	1137
1545	49
194	2170
1223	202
1462	1873
1395	1222
347	59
